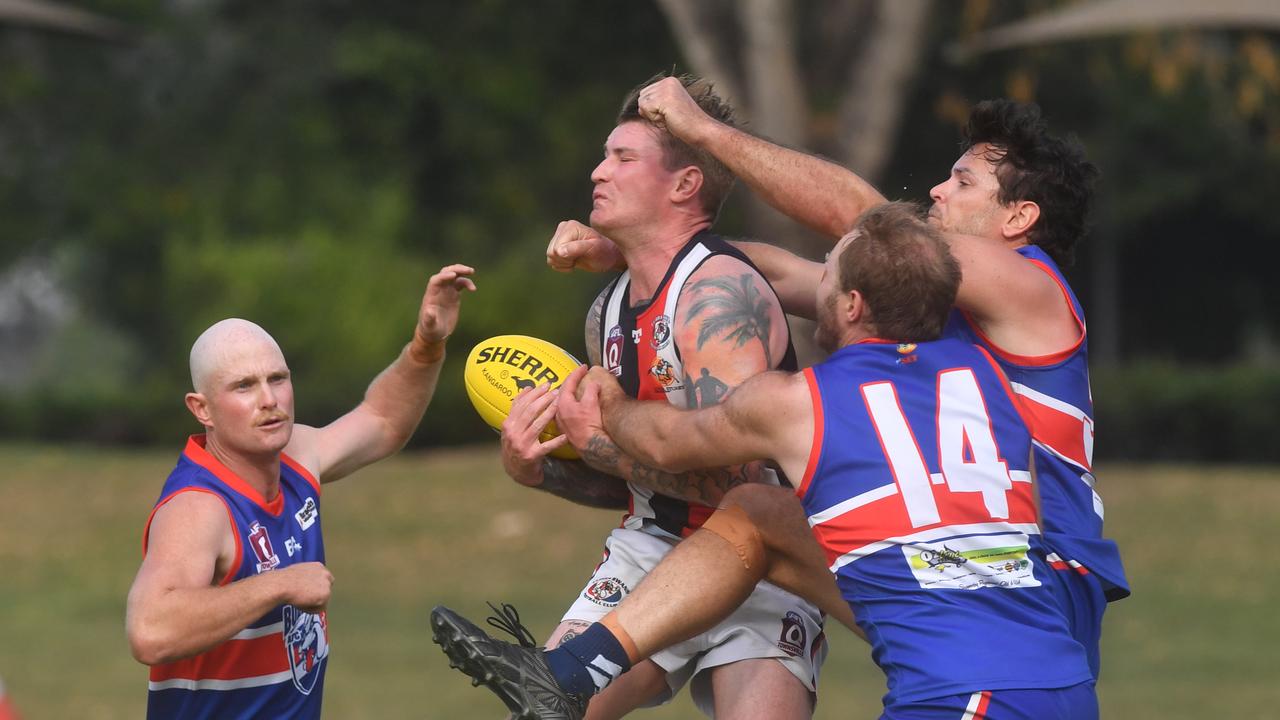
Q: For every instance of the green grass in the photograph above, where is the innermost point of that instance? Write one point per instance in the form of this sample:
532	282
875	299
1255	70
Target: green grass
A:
1197	639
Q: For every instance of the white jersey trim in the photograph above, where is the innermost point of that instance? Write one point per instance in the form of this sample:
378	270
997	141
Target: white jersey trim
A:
249	682
933	534
251	633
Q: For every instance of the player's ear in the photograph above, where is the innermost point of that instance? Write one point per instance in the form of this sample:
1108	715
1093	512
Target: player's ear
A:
198	404
688	184
1023	216
854	307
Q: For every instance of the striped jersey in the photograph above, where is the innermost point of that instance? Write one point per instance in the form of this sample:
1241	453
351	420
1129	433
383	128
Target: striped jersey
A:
638	346
1055	393
275	667
919	490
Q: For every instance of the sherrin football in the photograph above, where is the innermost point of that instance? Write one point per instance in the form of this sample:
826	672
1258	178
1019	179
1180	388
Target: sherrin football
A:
500	367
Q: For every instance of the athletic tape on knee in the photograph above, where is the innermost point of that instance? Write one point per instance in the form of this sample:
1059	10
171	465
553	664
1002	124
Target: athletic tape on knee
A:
732	524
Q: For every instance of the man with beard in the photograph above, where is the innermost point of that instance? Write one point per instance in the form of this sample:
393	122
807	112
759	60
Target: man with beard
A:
916	480
1012	210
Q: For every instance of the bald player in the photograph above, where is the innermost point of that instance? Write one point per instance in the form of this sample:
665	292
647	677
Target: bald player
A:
228	607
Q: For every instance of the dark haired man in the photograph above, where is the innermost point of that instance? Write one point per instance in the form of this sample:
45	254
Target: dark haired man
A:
1012	210
689	320
916	481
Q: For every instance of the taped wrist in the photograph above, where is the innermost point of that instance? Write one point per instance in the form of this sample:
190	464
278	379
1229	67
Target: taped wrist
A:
732	524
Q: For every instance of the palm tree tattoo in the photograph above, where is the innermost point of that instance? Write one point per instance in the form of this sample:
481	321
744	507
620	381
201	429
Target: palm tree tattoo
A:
735	310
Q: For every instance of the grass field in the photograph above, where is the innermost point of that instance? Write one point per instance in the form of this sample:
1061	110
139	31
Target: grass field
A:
1198	639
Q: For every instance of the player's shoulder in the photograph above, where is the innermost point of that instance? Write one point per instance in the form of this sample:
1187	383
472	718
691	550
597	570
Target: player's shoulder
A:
731	278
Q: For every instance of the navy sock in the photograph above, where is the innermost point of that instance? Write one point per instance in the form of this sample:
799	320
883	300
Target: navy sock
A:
587	663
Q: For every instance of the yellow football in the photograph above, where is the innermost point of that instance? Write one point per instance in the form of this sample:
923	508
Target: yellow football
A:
500	367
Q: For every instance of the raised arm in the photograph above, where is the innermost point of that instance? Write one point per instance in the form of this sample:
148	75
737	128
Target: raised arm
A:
178	607
817	193
396	399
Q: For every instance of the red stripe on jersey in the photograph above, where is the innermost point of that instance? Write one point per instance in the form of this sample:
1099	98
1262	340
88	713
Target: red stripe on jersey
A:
1036	360
815	450
305	473
887	518
235	529
196	453
1061	431
232	660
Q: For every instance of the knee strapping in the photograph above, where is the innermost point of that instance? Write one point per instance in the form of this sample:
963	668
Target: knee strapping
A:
732	524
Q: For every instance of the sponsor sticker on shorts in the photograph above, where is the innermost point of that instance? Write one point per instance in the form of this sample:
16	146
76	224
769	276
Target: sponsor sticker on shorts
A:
972	563
607	592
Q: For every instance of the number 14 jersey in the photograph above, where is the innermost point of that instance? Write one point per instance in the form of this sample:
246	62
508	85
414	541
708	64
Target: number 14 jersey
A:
919	489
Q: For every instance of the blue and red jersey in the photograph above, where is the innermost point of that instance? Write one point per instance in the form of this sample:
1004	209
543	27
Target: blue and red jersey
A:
275	667
1055	393
919	489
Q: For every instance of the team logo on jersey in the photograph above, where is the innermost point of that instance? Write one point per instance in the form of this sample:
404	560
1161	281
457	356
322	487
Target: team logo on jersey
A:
907	351
613	351
260	541
306	517
665	373
794	638
661	332
606	591
306	642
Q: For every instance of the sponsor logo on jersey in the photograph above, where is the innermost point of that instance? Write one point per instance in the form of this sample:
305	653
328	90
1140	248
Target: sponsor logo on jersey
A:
613	351
306	517
306	643
636	335
292	546
972	563
665	373
606	591
661	332
907	351
260	541
794	638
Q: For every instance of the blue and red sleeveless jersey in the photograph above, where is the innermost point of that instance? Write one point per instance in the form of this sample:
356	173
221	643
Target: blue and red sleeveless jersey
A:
275	667
1055	393
919	490
638	346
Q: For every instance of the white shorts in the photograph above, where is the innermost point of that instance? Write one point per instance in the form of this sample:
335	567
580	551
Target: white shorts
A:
772	623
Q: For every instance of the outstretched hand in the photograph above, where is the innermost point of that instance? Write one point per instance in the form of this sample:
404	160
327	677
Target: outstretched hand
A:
575	246
438	316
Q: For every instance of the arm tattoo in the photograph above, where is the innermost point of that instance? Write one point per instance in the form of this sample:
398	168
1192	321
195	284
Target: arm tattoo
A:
706	486
576	482
735	309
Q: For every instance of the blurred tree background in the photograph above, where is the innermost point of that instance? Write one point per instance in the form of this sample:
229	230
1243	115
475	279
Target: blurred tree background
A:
307	165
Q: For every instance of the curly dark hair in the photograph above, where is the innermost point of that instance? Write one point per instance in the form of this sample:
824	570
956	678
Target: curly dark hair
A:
717	180
1032	164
